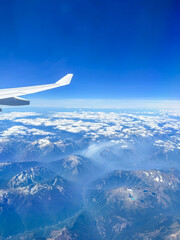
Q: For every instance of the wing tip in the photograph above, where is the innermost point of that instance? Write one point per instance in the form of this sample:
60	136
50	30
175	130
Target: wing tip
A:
65	80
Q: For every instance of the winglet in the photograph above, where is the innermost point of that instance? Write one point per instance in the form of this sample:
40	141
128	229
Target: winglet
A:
65	80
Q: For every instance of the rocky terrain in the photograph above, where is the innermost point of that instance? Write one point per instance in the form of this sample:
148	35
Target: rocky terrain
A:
141	204
89	175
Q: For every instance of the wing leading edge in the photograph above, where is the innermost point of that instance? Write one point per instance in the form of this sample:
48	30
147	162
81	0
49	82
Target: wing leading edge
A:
10	96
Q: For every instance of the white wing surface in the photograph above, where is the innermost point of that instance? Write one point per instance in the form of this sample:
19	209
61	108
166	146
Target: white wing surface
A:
10	96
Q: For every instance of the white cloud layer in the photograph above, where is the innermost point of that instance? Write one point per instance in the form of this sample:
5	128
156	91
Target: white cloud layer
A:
162	128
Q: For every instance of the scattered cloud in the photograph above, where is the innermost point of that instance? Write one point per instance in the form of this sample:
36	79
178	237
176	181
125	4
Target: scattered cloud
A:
163	128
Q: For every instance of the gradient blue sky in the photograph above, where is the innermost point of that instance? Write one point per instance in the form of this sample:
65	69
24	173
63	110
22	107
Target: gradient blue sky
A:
116	49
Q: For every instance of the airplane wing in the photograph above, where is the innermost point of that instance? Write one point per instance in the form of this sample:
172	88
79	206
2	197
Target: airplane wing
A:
10	96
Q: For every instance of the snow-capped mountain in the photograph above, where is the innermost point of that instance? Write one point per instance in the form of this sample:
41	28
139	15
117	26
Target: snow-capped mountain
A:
35	198
74	167
144	139
89	175
122	200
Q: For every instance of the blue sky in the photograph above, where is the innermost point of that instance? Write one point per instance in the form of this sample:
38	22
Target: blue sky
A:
115	49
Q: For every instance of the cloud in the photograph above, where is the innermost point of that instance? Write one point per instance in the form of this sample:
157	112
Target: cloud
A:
14	115
21	130
98	126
